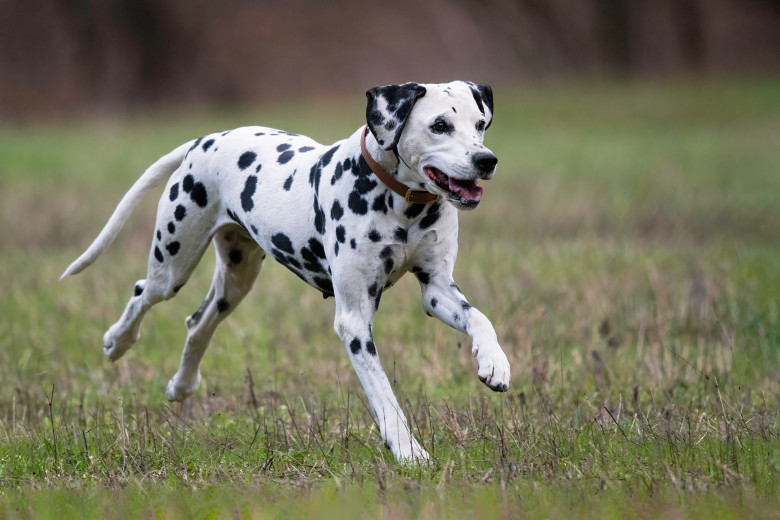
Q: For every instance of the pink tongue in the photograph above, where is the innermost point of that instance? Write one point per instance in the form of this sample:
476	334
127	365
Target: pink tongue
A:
468	190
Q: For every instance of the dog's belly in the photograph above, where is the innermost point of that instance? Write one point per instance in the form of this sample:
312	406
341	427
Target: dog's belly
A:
264	178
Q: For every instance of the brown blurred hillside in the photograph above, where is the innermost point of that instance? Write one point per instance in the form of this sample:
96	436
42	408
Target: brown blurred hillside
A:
64	56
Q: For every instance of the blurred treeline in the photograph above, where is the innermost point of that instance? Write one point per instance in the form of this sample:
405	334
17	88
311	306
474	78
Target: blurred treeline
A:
60	56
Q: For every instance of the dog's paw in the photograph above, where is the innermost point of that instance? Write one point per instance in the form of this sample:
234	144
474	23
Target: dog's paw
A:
115	346
410	453
179	389
493	367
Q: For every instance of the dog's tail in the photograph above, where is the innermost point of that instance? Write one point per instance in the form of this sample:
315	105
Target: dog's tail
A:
151	178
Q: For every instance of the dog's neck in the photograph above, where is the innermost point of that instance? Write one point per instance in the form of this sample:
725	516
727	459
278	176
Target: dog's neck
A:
391	162
386	159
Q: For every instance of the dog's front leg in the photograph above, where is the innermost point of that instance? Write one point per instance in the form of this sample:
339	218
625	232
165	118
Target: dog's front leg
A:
442	298
355	309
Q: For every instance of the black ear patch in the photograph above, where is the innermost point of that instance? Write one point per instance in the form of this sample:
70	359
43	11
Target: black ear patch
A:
483	96
388	108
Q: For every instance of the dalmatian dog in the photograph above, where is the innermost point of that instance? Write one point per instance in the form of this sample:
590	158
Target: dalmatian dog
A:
349	219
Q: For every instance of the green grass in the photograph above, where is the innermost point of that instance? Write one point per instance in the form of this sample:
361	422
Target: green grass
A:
627	253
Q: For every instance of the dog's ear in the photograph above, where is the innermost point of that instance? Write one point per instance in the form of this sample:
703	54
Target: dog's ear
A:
483	95
388	108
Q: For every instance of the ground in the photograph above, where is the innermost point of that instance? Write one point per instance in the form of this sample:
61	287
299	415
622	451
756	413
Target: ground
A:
626	252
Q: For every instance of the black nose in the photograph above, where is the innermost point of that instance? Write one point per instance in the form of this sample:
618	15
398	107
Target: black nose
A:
485	162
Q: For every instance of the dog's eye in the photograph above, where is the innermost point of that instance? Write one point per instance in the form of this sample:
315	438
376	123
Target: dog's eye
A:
439	127
481	125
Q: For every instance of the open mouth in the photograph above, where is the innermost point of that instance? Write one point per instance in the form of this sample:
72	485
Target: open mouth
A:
460	190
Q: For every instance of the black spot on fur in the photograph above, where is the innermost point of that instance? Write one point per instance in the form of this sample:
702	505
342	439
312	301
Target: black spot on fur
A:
282	147
173	248
371	348
285	157
236	256
317	248
249	190
361	168
400	234
423	277
180	212
138	290
158	255
357	204
174	193
336	211
341	234
304	149
314	177
455	286
198	195
324	285
478	99
282	241
414	210
319	217
311	261
187	183
171	228
291	261
222	305
246	160
434	303
379	204
327	156
336	249
355	346
374	236
376	294
431	216
258	168
237	220
197	315
194	145
387	255
338	171
465	305
364	184
159	235
353	244
376	118
288	183
207	144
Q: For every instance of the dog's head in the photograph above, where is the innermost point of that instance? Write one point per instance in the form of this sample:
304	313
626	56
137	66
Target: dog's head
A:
437	132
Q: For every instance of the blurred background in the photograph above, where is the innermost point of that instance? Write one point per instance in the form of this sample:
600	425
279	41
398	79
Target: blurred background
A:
62	57
627	247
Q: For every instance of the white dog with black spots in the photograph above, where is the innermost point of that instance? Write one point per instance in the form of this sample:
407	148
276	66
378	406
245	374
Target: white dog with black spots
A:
325	214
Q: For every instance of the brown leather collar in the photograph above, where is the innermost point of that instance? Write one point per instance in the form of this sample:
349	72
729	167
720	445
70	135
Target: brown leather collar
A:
413	196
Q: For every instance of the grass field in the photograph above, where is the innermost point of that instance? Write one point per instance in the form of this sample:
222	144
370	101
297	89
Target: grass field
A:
628	253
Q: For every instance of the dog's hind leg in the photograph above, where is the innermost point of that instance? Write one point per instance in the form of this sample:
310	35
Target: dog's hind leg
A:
178	245
239	260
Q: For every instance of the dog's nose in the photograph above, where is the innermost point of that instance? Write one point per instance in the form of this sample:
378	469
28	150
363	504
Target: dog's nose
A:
485	162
